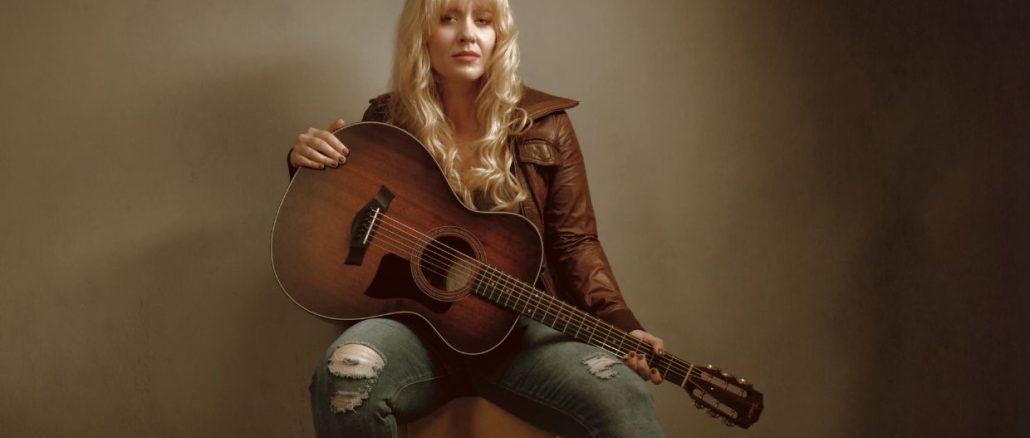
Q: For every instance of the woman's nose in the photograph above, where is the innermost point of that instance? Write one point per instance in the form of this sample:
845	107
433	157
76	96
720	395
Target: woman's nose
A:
468	34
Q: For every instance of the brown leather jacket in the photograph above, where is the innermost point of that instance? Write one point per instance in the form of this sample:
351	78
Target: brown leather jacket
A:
550	164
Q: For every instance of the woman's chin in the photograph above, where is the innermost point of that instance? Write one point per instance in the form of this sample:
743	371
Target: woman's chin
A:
462	75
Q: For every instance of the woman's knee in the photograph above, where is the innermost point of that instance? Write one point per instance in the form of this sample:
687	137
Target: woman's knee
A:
350	368
367	365
354	369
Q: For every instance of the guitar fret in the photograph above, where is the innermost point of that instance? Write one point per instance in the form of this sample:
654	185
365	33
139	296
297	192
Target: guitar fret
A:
496	287
544	299
512	299
476	284
502	293
540	306
549	311
480	285
513	292
556	314
494	293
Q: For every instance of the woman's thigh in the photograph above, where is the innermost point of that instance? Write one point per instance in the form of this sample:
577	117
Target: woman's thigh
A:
572	389
378	373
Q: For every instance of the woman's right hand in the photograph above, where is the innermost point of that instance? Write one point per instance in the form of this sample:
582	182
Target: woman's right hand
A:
316	148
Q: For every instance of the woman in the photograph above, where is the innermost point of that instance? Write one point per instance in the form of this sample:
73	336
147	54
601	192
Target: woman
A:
503	147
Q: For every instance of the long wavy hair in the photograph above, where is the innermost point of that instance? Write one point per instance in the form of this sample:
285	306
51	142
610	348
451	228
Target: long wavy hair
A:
415	104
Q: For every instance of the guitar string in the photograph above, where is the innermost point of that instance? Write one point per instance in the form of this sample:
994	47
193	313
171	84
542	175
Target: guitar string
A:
673	365
684	368
497	274
672	359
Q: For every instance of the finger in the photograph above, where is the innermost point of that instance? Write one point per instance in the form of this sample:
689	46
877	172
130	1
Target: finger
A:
302	161
659	346
337	124
656	377
326	149
643	371
331	139
643	365
637	366
319	157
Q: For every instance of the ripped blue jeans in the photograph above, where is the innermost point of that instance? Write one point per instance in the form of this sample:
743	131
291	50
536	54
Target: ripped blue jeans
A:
380	373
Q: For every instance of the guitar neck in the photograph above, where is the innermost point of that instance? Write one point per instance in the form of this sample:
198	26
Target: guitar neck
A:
526	300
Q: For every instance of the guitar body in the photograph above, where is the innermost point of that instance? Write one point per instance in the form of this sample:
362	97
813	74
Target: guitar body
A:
321	263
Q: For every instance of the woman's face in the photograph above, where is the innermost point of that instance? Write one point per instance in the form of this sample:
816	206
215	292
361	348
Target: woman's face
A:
461	45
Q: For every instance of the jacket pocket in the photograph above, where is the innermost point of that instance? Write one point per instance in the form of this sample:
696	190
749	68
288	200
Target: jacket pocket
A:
537	151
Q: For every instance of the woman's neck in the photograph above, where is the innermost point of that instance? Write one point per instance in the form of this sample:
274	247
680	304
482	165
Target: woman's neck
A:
459	105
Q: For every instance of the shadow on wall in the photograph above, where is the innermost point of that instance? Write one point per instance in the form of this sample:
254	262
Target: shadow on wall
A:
931	164
209	339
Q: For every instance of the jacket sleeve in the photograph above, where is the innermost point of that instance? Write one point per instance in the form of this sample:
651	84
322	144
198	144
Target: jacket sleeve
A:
573	249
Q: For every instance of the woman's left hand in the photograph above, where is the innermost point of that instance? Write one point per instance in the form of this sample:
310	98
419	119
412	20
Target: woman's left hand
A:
638	362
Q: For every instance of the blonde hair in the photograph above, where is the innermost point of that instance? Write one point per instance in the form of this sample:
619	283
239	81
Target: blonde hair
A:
415	105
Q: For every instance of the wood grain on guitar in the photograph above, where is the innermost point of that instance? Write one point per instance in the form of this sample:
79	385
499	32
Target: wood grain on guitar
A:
386	235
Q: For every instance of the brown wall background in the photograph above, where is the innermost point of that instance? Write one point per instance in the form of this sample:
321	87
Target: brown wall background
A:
828	198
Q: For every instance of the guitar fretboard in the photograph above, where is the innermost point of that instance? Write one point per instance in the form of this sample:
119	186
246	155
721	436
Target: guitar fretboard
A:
524	299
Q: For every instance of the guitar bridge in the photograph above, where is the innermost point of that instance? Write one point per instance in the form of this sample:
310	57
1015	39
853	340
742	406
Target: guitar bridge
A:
364	223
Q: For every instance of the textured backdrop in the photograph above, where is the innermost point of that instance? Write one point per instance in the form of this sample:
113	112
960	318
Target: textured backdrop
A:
828	198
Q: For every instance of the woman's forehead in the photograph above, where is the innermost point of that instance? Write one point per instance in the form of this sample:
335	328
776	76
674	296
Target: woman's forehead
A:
475	5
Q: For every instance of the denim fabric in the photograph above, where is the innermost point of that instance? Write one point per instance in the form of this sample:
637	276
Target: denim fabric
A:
546	380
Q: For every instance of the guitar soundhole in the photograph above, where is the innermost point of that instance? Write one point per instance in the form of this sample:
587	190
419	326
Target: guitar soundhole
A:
445	267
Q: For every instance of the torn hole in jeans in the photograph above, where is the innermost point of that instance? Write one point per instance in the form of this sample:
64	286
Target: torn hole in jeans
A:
601	365
358	363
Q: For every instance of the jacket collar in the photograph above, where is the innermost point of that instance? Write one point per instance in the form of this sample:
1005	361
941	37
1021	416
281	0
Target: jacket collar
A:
538	104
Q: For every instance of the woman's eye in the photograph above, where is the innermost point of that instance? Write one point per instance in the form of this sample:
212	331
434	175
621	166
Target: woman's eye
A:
448	19
483	20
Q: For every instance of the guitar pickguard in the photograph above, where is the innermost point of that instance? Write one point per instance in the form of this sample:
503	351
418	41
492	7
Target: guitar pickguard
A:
393	281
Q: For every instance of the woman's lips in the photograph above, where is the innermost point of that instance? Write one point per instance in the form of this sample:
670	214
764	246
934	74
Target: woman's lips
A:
466	56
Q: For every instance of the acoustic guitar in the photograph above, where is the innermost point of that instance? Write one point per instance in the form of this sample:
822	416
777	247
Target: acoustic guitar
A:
385	235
